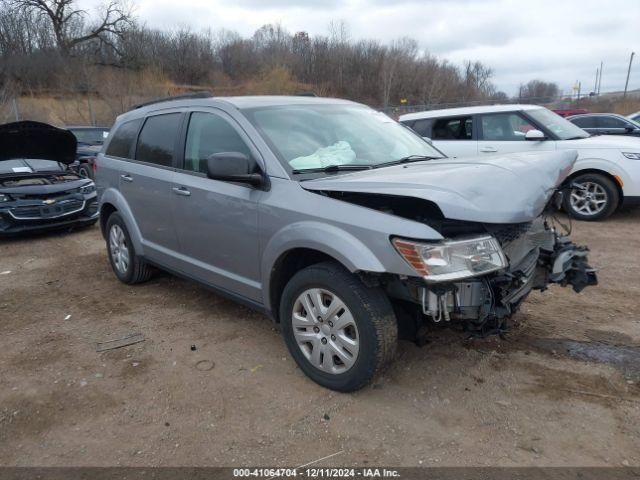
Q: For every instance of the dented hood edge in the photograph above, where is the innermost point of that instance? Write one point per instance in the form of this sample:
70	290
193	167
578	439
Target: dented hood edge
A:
510	188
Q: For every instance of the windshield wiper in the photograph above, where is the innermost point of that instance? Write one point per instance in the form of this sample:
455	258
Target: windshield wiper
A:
407	159
332	168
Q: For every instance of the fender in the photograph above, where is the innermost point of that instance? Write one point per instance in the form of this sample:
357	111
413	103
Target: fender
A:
608	166
328	239
115	198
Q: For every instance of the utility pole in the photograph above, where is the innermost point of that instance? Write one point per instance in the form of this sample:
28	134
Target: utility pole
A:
595	86
600	79
579	90
626	84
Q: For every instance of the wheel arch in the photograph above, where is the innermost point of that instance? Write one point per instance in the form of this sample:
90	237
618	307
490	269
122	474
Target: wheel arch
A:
106	209
286	266
112	201
304	243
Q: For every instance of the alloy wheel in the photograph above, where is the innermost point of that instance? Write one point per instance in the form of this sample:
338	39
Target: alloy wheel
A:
588	198
119	249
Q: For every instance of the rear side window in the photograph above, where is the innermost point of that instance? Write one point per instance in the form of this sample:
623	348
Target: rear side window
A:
611	122
157	140
123	139
584	122
459	128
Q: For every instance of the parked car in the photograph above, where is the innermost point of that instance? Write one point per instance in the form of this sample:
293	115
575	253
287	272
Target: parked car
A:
606	124
333	219
605	176
90	140
635	117
565	112
37	190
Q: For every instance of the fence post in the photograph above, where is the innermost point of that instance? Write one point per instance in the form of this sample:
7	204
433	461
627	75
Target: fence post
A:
15	109
91	115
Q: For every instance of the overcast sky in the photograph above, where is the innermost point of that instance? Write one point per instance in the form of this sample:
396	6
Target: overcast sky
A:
558	40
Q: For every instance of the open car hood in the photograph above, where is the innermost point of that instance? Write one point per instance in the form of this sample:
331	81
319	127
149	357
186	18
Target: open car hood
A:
509	188
36	140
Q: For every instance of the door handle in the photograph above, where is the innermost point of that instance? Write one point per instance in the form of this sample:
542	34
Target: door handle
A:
488	149
181	191
126	177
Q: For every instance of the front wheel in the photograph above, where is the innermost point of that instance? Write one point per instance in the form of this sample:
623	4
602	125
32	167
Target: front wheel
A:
594	197
340	332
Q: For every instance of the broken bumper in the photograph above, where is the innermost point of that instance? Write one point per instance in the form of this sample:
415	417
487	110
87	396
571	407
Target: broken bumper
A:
538	257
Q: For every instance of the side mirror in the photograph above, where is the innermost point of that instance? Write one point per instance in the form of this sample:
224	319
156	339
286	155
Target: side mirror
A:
233	167
535	135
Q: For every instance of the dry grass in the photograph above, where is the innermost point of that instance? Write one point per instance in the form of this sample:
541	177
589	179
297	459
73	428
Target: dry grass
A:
115	91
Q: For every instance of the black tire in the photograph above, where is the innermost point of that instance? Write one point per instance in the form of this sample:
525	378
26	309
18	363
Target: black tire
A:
377	329
85	170
137	270
605	185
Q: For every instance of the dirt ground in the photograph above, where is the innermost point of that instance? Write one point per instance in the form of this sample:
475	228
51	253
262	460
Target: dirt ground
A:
562	389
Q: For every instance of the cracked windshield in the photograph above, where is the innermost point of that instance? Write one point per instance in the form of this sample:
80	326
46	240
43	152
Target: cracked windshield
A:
317	137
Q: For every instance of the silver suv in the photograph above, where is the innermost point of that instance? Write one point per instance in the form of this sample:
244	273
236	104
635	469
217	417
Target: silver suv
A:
338	222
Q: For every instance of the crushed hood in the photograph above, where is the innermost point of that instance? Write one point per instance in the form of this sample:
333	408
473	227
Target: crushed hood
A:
38	141
510	188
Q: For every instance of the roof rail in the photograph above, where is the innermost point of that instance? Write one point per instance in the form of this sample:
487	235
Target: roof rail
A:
306	94
200	94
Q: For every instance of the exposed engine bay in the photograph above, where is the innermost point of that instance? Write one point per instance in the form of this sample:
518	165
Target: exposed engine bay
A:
38	179
538	256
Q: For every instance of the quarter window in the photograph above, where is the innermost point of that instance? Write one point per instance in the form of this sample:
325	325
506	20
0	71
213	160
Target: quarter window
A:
459	128
423	127
209	134
157	139
123	139
505	127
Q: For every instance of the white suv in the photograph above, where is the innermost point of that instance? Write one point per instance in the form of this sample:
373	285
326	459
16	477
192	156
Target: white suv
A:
605	176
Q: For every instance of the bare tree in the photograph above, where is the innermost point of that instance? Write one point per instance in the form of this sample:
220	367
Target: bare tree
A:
539	91
70	24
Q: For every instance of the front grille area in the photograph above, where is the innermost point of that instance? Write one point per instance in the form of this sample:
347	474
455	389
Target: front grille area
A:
37	212
509	233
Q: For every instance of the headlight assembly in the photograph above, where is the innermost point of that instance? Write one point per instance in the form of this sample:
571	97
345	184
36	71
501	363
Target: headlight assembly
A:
4	198
632	155
88	188
452	259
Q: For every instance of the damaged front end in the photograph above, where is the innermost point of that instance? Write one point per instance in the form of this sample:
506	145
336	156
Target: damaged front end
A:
510	260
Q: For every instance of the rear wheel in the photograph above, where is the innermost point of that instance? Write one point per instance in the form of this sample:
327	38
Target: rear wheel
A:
126	264
595	197
340	332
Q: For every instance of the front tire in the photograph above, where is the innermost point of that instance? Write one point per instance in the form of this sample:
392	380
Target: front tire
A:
596	199
340	332
126	264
